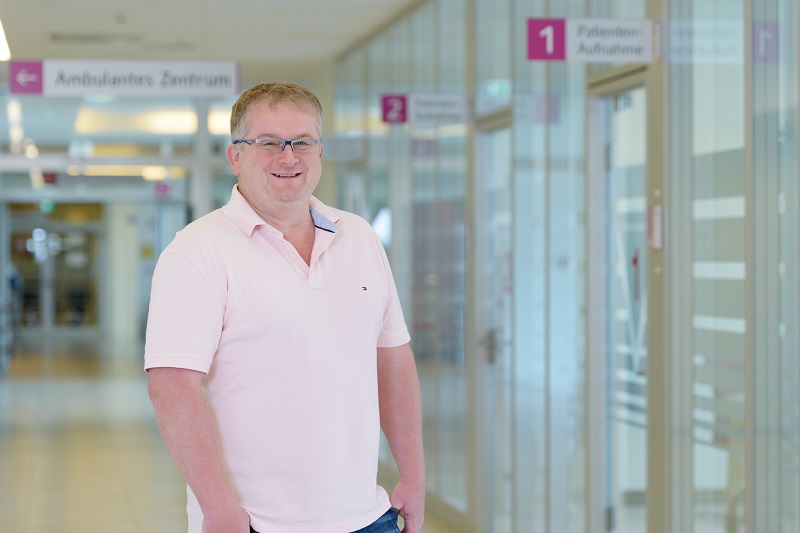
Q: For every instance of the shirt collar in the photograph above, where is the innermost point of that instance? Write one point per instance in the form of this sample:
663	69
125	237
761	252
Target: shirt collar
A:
324	217
238	211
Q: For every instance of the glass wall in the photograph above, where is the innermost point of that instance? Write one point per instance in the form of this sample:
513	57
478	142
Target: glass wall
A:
549	119
721	99
493	57
710	319
774	194
409	181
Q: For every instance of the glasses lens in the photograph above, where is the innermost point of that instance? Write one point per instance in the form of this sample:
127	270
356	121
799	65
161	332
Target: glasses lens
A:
276	146
270	145
301	145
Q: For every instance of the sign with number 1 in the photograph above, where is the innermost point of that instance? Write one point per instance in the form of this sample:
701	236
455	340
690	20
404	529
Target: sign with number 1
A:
546	40
591	40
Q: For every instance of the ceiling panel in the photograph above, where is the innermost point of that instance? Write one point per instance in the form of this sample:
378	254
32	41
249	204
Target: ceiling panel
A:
269	39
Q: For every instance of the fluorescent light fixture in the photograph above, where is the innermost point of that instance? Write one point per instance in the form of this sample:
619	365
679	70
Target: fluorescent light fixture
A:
148	172
154	173
219	122
5	53
92	120
160	122
112	170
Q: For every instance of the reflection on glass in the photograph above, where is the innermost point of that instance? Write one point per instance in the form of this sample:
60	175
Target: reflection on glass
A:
494	184
627	310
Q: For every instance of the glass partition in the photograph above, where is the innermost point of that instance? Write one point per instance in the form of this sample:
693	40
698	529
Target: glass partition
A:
410	182
493	55
776	263
710	325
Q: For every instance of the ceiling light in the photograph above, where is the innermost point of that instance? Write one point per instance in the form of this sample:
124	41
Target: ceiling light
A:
14	111
5	53
90	121
154	173
219	122
31	151
37	178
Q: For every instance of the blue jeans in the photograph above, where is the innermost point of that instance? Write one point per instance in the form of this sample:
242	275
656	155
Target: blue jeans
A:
385	524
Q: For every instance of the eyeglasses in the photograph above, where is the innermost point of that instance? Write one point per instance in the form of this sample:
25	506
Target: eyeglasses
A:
276	146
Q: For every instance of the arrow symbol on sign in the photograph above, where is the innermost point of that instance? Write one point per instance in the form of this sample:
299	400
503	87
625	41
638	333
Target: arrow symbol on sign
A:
23	77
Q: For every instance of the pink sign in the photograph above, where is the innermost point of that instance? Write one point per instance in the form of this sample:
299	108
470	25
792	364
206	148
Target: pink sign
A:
547	39
25	77
163	189
766	41
395	108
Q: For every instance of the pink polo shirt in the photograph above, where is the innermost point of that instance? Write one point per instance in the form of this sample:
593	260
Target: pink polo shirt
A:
290	352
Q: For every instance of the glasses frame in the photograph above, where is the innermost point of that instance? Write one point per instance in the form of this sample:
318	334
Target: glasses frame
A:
284	143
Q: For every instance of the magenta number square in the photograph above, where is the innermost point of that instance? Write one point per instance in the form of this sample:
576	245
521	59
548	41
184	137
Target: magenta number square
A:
395	108
25	77
547	39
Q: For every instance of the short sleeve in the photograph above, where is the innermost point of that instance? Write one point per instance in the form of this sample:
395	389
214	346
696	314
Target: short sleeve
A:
394	331
185	318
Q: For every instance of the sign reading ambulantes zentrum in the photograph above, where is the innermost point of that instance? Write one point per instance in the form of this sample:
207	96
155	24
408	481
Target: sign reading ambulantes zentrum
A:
124	78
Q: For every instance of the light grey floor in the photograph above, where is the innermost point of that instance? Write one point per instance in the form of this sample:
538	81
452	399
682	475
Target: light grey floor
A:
79	448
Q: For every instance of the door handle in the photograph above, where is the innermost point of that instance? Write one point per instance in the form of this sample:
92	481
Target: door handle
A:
489	342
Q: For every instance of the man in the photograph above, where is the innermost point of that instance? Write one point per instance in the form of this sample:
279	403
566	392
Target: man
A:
276	346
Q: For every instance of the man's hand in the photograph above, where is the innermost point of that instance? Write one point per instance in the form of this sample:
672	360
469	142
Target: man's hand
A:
236	521
410	500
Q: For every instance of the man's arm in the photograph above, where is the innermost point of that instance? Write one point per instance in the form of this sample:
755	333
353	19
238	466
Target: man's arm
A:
187	427
401	420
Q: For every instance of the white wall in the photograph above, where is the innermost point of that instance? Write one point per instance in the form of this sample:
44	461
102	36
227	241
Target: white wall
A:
123	274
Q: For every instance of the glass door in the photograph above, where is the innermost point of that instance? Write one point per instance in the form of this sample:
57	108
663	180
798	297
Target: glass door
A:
620	225
56	254
495	287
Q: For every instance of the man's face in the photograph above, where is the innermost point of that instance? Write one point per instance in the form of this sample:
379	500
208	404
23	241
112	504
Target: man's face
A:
271	180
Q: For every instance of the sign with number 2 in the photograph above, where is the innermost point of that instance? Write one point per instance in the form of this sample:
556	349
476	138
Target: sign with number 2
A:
395	108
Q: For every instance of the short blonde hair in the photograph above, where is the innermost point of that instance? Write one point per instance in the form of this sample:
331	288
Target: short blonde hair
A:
273	93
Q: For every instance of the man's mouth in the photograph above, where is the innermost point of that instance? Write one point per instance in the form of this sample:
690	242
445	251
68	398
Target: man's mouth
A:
286	175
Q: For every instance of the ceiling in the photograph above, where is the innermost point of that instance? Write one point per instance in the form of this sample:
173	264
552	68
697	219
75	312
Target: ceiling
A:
269	39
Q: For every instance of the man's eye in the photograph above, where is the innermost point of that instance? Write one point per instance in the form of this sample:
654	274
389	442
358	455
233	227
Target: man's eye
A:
269	142
301	143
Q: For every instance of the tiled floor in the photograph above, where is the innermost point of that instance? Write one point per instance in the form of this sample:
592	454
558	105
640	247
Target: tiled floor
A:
79	448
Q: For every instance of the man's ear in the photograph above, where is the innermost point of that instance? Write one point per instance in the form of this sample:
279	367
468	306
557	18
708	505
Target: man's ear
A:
233	157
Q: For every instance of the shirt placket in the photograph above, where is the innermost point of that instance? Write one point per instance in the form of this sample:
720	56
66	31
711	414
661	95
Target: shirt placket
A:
287	251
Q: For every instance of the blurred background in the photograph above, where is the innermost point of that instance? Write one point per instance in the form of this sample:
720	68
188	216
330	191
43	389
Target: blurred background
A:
597	258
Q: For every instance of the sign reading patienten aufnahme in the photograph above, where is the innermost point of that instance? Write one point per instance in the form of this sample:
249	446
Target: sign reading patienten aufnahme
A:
609	40
129	78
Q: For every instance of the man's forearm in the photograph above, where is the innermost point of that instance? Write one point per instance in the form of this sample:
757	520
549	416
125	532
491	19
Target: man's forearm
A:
401	410
189	433
401	420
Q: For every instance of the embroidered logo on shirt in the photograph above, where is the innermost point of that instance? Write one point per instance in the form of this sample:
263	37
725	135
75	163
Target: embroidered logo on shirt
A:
363	288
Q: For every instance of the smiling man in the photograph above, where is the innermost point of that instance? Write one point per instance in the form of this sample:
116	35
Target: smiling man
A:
276	347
